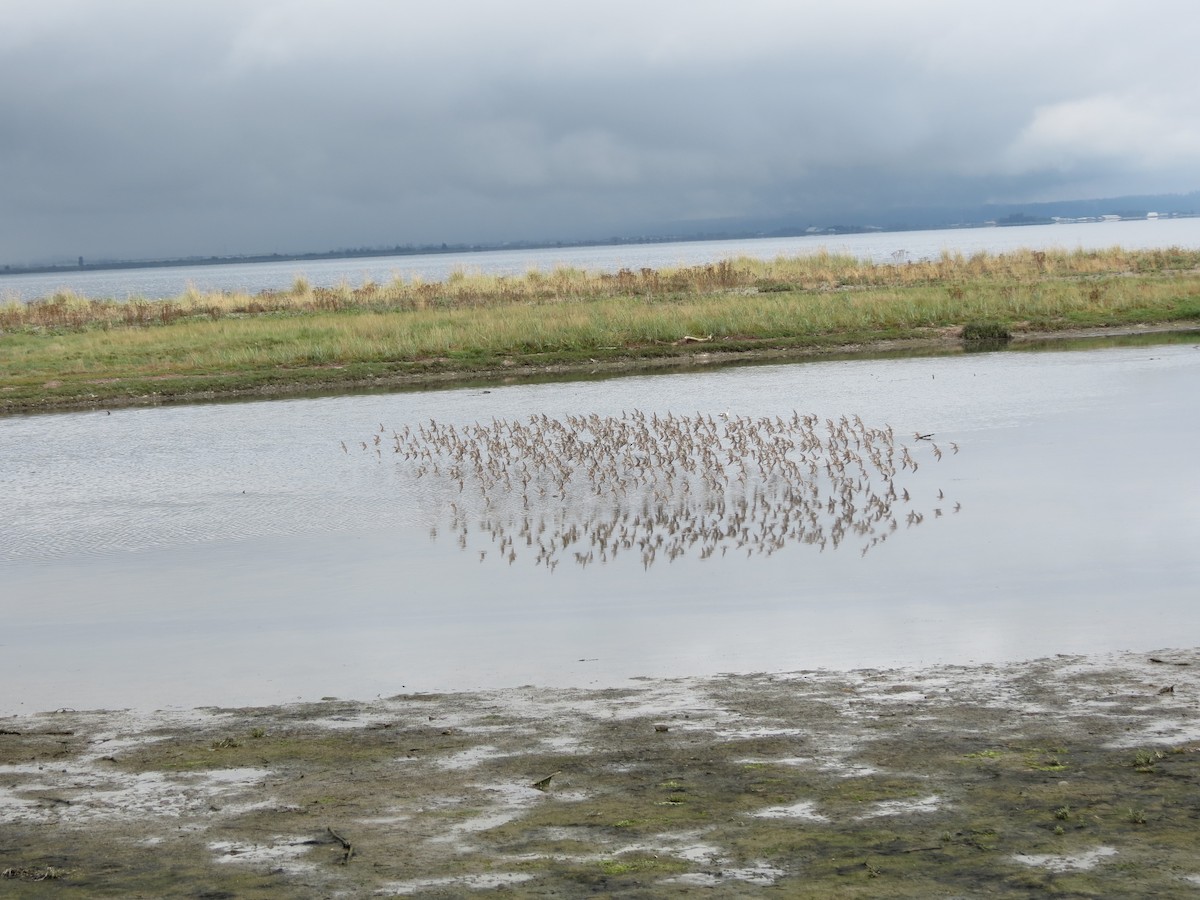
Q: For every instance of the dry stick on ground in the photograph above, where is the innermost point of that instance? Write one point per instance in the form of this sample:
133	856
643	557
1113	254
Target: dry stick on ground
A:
543	784
347	847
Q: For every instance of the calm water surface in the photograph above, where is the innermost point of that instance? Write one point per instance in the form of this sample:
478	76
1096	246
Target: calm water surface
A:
235	554
880	247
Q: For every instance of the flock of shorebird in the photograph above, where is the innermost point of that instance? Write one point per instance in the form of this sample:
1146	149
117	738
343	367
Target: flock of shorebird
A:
590	488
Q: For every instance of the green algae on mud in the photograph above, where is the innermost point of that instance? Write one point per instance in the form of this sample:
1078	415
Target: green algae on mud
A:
1069	776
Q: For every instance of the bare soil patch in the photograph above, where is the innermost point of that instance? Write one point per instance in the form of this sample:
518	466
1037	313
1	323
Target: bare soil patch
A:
1069	776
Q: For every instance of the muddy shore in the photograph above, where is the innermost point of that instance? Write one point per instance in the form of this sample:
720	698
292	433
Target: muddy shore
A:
1068	776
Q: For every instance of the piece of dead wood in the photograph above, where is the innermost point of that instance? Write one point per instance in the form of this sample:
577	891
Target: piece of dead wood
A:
692	339
347	847
543	784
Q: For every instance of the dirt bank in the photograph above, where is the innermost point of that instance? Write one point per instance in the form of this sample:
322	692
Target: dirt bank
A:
1069	776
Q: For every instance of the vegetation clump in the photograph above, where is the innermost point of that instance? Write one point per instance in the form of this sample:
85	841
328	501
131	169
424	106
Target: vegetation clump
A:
986	332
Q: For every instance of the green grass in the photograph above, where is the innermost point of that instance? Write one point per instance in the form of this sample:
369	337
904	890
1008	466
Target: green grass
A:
65	349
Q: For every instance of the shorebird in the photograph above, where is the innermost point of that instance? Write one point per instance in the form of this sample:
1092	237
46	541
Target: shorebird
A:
700	482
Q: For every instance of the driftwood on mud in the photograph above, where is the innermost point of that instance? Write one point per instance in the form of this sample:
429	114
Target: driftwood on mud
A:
347	847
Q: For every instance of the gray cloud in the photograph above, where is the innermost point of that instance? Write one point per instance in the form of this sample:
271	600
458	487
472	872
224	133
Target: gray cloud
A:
134	128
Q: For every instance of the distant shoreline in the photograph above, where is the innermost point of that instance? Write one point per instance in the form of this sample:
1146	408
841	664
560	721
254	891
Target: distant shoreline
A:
422	250
441	249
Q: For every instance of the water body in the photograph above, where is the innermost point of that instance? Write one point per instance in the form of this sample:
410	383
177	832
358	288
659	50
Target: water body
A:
236	554
880	247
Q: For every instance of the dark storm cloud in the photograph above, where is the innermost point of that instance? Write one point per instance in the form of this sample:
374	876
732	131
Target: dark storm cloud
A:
148	129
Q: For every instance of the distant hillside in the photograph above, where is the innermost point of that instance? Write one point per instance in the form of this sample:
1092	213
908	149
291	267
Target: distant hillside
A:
915	218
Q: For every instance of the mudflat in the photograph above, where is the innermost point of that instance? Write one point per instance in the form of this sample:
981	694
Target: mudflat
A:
1066	776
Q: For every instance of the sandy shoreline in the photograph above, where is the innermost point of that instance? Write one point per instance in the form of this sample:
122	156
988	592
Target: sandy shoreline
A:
1073	774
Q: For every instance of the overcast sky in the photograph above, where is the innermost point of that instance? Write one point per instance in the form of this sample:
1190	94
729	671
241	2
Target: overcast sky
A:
144	128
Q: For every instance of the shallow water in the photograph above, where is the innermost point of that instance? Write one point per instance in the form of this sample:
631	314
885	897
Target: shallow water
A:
877	246
234	554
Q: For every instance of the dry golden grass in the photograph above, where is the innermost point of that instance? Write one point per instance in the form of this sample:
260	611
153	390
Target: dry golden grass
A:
68	349
66	310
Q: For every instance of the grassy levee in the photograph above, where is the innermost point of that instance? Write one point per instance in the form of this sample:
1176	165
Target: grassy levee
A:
66	350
